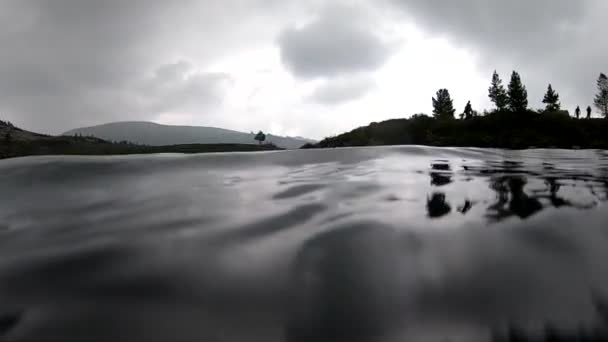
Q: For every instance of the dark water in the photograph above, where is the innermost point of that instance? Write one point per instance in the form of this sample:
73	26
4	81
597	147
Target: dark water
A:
375	244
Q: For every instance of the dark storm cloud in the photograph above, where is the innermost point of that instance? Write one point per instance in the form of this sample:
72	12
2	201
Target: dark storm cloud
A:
505	26
554	41
342	90
67	63
179	86
335	44
64	61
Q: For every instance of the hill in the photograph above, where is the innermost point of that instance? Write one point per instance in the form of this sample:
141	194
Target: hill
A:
496	130
17	134
148	133
16	142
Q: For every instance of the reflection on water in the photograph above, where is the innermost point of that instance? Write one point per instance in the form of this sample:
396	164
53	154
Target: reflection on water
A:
437	206
509	179
323	245
441	173
512	199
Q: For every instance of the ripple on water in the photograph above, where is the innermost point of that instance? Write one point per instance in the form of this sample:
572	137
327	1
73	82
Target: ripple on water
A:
8	322
298	190
177	247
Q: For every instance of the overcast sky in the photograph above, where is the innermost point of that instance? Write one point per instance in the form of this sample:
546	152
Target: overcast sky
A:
293	67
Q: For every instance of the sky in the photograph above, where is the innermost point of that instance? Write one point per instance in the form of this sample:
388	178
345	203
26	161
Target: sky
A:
291	67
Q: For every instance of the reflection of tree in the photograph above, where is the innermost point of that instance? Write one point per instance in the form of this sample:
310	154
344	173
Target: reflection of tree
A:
464	209
441	174
604	174
437	206
521	204
439	179
554	187
512	199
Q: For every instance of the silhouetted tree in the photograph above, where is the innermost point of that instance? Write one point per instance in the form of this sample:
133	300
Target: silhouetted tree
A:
260	137
468	111
443	106
497	92
589	110
601	99
518	95
6	123
577	112
551	100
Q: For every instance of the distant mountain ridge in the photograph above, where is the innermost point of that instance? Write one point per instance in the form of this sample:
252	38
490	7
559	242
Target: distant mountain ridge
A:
17	142
153	134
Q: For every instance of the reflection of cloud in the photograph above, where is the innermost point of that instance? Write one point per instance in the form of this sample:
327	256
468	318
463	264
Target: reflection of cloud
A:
365	280
340	289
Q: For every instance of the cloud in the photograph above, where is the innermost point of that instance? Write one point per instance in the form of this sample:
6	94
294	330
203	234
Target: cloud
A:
69	63
65	62
341	90
502	26
180	87
334	44
548	41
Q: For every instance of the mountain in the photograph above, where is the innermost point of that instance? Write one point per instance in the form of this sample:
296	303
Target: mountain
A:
18	134
17	142
153	134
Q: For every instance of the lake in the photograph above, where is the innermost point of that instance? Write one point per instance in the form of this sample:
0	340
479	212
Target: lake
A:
360	244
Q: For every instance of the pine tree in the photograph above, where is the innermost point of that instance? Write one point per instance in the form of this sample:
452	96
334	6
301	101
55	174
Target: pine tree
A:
518	95
497	92
601	99
443	106
468	111
552	100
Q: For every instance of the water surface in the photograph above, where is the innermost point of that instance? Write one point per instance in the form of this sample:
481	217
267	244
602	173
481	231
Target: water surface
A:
367	244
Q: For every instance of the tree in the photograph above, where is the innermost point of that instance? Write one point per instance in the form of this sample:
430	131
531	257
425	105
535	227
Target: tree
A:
577	112
601	99
518	95
260	137
8	139
468	111
443	106
552	100
498	94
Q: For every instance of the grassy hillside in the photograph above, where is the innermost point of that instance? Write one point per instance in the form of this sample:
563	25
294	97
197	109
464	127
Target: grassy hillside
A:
16	142
500	130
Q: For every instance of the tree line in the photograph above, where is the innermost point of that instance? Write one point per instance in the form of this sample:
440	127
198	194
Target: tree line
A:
514	99
510	124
